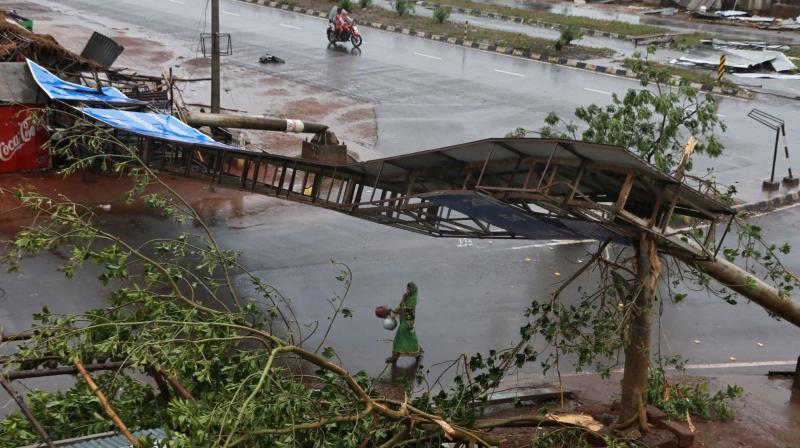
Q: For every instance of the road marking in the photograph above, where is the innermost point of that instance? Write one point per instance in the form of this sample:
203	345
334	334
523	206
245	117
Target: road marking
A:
589	89
428	56
726	365
509	73
291	27
731	365
176	2
231	13
552	243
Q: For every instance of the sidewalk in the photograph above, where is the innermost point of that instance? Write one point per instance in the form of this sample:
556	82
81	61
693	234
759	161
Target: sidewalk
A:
766	415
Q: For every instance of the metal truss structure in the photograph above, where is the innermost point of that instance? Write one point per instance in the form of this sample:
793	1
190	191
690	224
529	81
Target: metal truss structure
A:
494	188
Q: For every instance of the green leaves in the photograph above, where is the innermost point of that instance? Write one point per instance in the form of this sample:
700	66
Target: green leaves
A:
678	399
653	124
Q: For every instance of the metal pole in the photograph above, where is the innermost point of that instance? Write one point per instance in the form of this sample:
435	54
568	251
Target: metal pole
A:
786	151
774	155
215	56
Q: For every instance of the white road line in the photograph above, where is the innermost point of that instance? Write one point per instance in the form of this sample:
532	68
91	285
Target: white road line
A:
176	2
509	73
428	56
726	365
732	365
291	27
231	13
589	89
552	243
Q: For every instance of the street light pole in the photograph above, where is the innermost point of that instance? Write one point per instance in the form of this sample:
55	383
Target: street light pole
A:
215	56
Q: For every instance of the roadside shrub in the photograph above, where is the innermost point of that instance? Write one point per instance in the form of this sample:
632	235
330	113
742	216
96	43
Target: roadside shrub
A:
441	13
346	4
403	7
365	3
568	34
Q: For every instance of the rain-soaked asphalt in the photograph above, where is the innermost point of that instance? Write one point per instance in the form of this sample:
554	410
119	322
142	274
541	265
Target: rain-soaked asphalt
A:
429	94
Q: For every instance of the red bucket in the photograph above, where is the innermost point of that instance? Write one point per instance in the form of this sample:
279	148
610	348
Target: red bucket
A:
382	311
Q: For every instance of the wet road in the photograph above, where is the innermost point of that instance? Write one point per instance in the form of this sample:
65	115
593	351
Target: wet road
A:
429	94
436	92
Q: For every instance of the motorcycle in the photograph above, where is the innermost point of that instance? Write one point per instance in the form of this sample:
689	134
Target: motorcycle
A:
348	32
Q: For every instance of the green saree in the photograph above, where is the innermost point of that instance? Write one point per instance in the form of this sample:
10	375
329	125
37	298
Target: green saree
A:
405	340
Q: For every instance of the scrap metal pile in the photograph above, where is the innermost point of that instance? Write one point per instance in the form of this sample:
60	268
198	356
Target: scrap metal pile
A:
744	59
18	44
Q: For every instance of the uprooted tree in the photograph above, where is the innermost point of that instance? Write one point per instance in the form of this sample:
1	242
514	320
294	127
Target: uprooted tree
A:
236	365
231	367
654	122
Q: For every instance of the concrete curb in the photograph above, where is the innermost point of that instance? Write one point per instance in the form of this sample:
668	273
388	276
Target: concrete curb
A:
621	72
769	204
523	21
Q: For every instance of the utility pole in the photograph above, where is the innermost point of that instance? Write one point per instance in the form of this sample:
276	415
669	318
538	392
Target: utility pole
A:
215	56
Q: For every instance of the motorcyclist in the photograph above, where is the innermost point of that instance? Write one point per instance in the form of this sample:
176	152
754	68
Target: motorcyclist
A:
340	19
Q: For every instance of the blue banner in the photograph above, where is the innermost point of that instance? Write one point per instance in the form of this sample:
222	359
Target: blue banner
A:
58	89
518	222
159	126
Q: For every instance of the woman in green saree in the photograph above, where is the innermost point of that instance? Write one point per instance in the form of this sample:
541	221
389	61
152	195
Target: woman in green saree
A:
405	340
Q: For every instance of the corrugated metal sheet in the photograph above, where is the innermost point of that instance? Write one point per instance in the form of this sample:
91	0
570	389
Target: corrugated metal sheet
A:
106	440
17	85
102	49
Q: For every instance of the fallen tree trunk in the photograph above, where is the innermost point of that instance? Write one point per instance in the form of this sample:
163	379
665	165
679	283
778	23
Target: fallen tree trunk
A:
749	286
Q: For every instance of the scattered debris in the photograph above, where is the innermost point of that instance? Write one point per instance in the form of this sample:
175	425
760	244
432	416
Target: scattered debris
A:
102	49
696	341
756	19
653	39
760	344
730	13
270	59
737	59
732	358
766	75
19	20
520	394
586	421
719	44
17	43
662	11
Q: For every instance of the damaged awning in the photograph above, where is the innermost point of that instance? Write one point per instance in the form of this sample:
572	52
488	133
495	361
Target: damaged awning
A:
157	126
737	59
58	89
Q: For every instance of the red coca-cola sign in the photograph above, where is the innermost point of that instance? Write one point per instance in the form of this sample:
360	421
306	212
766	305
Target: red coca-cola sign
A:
21	141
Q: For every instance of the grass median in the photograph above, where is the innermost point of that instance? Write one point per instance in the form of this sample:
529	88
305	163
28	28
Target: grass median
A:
610	26
517	41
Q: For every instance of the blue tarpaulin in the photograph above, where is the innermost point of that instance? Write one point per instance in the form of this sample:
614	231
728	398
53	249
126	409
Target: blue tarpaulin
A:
518	222
58	89
159	126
